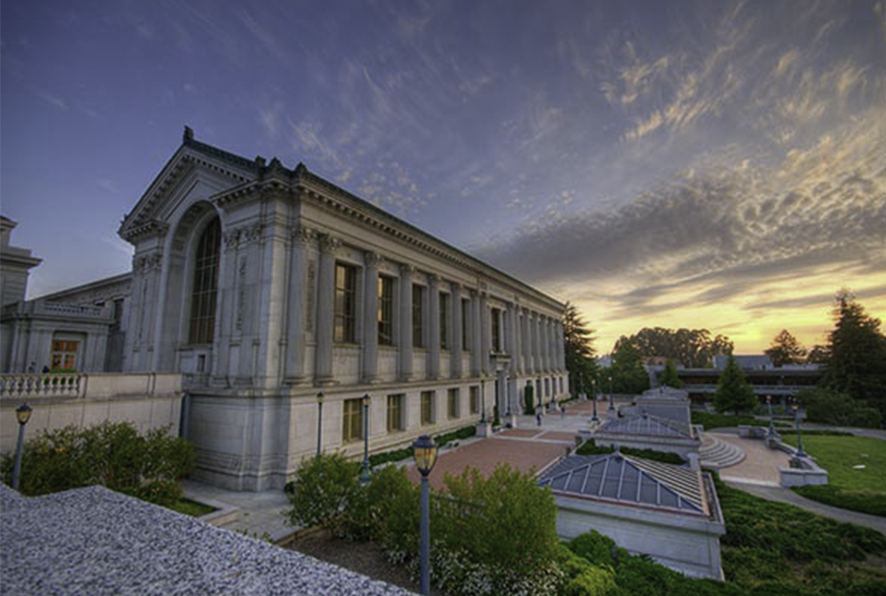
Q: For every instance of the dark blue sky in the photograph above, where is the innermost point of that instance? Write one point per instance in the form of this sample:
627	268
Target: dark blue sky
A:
717	164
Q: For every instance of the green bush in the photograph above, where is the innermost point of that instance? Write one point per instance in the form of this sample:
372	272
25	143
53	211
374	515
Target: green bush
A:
165	493
504	521
589	447
111	454
323	489
863	501
827	406
397	455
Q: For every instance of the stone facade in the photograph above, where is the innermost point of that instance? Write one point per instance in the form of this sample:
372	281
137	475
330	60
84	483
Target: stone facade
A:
311	289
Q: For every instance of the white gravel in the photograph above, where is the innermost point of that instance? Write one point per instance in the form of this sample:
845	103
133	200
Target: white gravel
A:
93	541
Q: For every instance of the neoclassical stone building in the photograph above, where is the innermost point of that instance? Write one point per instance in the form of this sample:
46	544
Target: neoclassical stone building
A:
265	286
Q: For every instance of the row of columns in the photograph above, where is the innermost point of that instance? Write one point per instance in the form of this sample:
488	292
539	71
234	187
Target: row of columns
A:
534	341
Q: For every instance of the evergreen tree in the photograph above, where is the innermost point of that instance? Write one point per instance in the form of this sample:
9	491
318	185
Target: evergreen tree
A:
818	355
670	378
628	374
785	349
856	362
579	350
733	392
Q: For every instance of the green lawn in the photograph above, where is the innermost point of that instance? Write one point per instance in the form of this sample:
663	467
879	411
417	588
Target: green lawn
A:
857	489
709	420
192	508
840	455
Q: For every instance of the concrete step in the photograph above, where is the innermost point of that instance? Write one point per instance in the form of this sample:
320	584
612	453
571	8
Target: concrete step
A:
716	453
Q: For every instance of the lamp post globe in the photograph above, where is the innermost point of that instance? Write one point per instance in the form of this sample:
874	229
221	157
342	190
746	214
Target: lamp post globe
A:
22	415
425	453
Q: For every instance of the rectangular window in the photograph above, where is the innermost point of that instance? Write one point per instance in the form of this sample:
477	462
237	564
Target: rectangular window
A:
395	413
385	311
452	404
64	354
475	400
418	294
465	323
345	303
352	420
444	321
427	407
496	330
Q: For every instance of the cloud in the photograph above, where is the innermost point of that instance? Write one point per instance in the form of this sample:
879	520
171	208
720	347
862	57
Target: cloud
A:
55	101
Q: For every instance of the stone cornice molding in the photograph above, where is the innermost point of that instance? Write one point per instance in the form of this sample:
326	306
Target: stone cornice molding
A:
149	228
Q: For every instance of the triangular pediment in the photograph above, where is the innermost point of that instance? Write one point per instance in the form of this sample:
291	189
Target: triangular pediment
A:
195	169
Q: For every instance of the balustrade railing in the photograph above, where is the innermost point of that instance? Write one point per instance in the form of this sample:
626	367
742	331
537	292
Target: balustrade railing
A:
33	385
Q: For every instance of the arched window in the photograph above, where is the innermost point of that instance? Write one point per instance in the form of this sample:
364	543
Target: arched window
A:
205	287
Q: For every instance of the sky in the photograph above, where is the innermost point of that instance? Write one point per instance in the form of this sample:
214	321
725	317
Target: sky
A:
716	165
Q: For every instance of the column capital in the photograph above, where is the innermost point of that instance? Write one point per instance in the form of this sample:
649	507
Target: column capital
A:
373	259
329	243
407	269
433	279
300	233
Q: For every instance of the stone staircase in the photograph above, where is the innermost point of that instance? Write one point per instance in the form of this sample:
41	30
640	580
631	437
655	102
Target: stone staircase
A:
717	453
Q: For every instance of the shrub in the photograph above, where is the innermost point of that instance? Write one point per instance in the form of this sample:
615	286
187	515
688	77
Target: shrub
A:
863	501
832	407
321	492
387	509
406	452
589	447
504	521
111	454
165	493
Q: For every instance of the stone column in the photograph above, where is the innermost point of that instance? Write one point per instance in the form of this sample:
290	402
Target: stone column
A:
406	272
370	316
455	339
546	343
433	371
325	305
476	367
294	364
530	343
485	334
518	339
536	344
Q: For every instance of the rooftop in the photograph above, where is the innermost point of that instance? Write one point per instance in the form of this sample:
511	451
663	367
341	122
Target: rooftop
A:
631	481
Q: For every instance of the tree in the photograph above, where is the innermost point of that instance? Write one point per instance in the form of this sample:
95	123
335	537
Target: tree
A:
670	378
693	348
785	349
628	374
733	392
856	362
818	355
579	349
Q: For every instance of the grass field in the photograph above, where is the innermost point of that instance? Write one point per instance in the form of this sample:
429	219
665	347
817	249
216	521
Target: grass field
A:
856	472
840	455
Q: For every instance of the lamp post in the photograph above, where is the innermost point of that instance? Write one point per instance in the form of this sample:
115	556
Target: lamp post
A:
319	423
22	414
611	403
800	452
594	418
483	402
425	453
364	475
771	423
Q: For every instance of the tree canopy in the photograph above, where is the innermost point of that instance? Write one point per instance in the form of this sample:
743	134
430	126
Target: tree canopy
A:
733	392
670	378
692	348
579	349
628	374
785	349
856	353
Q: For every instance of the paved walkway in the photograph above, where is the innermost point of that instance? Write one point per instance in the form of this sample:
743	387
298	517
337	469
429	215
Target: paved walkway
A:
258	514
